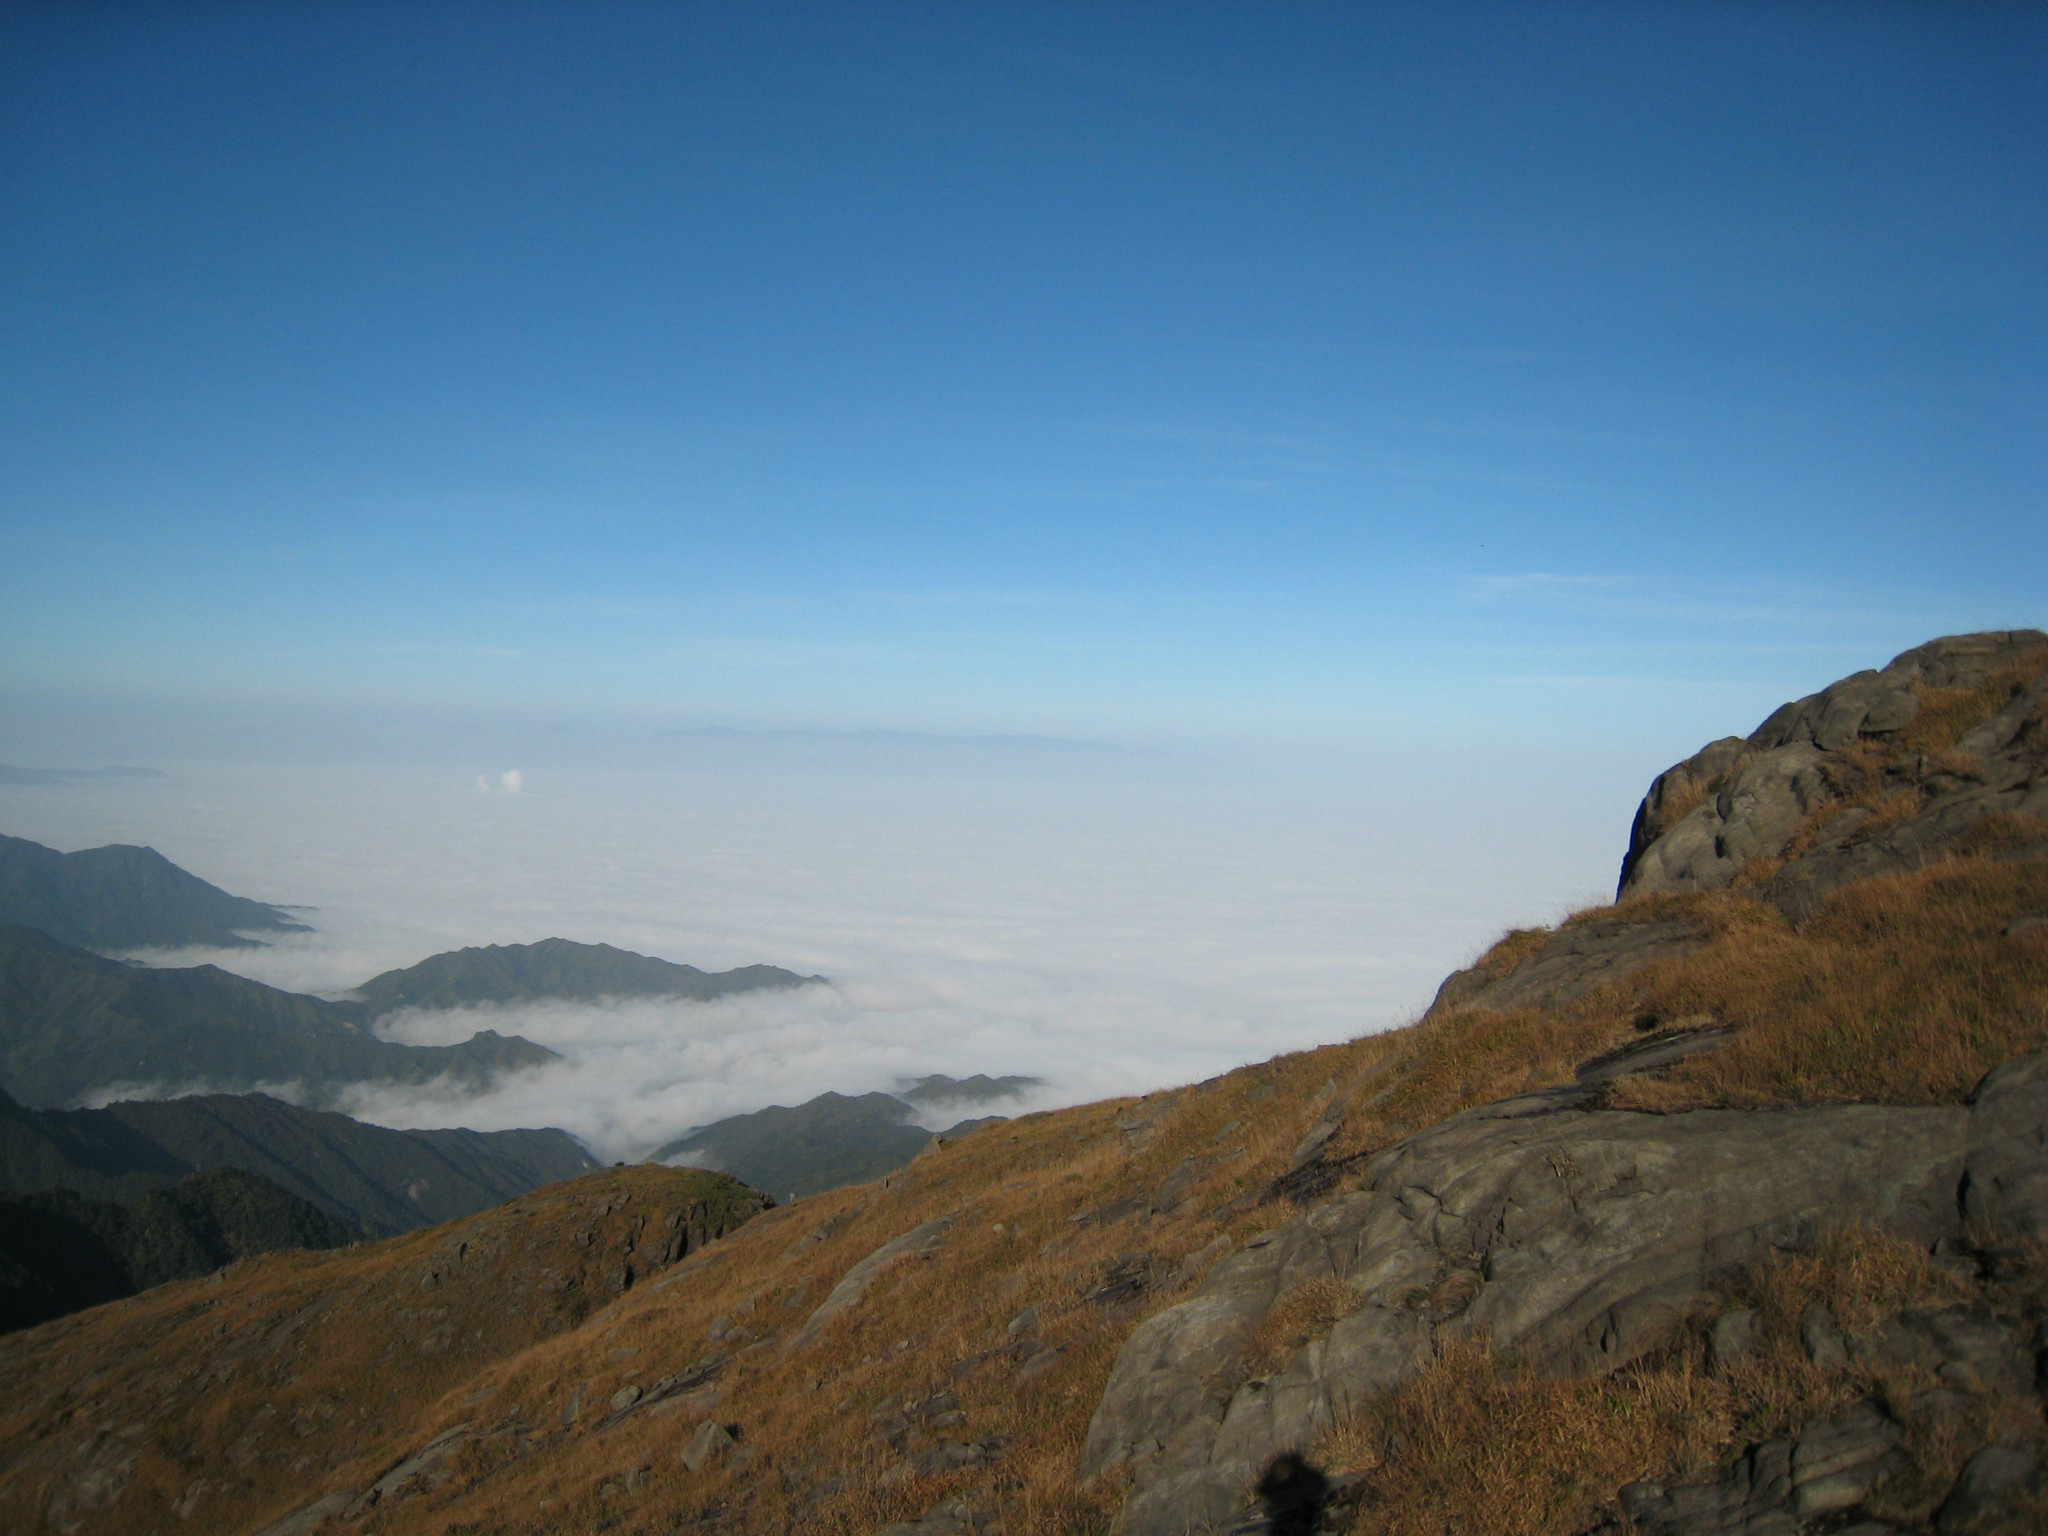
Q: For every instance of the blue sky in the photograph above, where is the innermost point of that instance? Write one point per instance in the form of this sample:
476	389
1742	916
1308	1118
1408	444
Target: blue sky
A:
1139	372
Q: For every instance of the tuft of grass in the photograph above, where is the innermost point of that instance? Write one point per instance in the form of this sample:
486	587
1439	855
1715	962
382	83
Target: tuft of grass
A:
1903	989
1946	715
1511	949
1480	1442
1305	1313
1683	799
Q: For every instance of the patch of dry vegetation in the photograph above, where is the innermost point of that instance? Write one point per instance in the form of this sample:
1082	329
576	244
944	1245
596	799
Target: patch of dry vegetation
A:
1946	715
1510	950
1066	1231
1681	800
1904	989
1481	1443
225	1396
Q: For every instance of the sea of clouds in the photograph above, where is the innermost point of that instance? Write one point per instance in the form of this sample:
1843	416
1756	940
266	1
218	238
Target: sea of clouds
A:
1122	924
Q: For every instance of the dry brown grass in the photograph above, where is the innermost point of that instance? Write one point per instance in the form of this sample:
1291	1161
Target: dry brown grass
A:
1902	990
298	1366
1305	1313
1479	1443
1511	949
1683	799
1947	714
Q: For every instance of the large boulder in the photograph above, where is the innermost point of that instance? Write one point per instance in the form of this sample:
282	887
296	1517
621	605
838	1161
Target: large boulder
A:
1741	799
1572	1236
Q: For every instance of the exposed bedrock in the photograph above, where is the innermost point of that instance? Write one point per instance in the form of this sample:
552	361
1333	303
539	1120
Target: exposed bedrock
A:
1574	1237
1754	795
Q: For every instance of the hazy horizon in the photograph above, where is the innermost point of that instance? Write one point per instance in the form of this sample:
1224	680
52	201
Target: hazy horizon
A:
1148	922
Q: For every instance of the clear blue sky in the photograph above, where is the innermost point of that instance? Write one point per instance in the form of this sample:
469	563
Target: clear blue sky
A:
1103	370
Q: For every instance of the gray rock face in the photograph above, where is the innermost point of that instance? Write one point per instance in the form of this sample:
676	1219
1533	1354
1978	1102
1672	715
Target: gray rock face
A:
1778	1485
1764	788
1988	1482
709	1443
915	1243
1575	1238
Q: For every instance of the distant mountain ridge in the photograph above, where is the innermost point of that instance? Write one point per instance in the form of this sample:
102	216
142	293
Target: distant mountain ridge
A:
381	1181
122	897
819	1145
552	968
71	1021
978	1089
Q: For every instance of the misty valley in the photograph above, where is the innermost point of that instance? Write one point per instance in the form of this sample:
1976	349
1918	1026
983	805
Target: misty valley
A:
158	1121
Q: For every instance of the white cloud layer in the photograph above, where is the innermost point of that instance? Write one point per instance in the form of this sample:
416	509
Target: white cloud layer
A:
1111	933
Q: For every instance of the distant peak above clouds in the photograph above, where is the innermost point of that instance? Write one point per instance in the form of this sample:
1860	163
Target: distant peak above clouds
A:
556	969
122	897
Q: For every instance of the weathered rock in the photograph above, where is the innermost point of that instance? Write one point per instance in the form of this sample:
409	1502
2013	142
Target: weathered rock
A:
916	1243
1838	1462
304	1522
1652	1054
1763	790
1774	1488
1731	1338
1822	1340
2008	1190
711	1441
400	1480
955	1516
1982	1493
1965	1347
1573	1237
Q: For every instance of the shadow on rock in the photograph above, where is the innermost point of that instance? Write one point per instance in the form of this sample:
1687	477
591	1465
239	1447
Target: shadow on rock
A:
1292	1494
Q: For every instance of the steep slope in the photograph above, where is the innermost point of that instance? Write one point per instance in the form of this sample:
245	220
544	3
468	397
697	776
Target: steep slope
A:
1703	1212
60	1252
379	1180
215	1404
121	897
71	1022
553	968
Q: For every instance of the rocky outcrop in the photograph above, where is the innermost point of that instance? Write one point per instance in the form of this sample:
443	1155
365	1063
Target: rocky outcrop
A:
1741	799
1572	1236
918	1242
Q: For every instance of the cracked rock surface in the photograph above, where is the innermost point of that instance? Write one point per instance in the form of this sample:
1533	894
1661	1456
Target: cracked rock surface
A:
1762	790
1575	1237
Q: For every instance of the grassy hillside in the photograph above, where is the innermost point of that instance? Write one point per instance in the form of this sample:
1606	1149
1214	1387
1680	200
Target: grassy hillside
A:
214	1404
1061	1232
60	1252
379	1180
